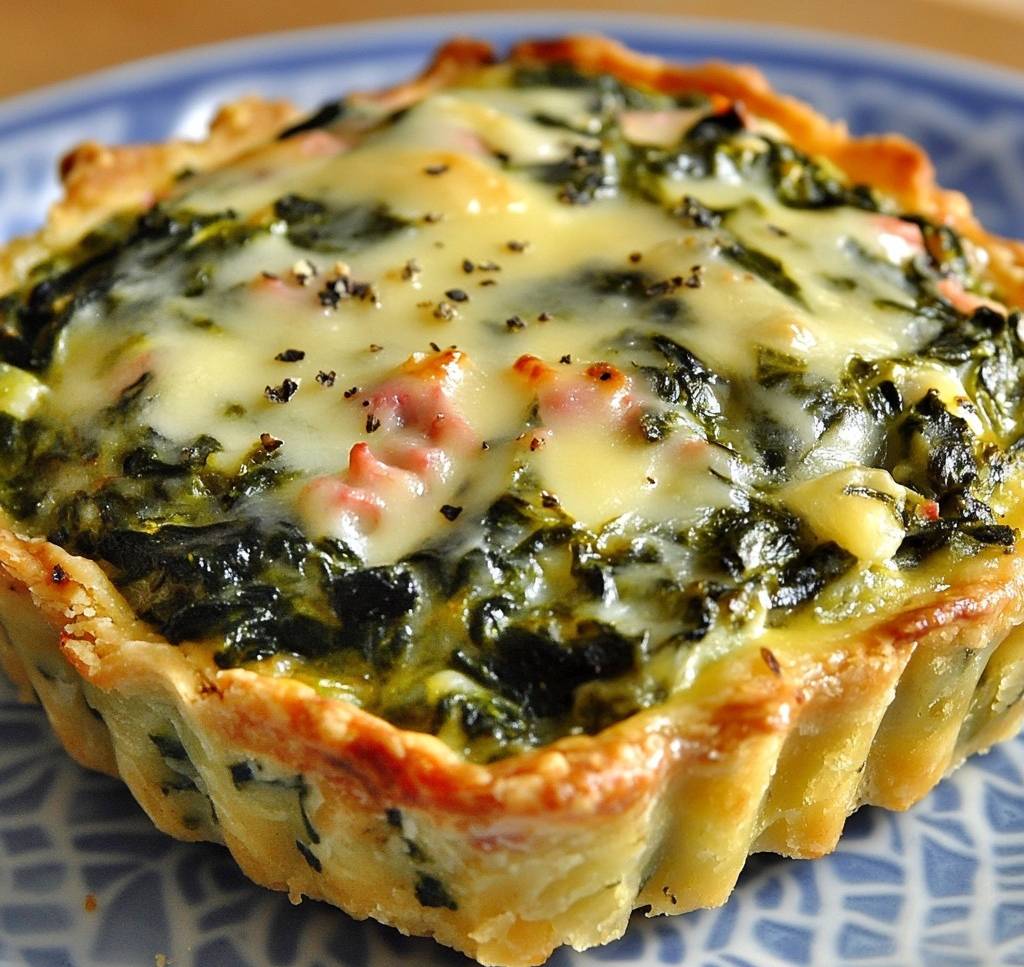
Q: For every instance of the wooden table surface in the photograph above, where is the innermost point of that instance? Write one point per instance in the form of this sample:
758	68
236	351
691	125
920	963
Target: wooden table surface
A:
59	39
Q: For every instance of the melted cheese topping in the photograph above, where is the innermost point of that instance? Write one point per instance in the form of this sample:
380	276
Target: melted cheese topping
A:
468	212
408	314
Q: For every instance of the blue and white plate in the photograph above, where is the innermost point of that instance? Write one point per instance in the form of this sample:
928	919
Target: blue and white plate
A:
940	886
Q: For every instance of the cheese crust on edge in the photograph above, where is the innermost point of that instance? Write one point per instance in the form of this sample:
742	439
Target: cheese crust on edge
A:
558	845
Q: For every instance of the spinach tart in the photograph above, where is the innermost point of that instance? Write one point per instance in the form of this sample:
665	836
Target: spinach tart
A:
508	500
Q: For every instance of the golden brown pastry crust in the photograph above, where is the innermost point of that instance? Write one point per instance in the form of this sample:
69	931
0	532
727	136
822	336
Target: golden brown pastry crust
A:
560	844
99	180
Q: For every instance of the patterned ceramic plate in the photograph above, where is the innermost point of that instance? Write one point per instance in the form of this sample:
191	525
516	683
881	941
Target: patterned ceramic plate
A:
85	881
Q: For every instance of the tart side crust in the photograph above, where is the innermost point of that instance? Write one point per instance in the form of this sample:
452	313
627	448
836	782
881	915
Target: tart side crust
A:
558	845
660	810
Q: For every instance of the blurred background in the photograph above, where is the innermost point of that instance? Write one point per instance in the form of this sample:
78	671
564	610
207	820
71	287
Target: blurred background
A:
54	41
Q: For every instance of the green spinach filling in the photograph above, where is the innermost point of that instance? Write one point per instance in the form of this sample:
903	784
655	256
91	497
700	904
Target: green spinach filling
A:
518	600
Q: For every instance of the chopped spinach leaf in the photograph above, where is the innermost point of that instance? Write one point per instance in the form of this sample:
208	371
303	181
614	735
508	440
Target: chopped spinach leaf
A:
584	175
431	892
325	115
766	267
687	380
315	864
318	227
169	746
374	605
539	666
805	576
950	460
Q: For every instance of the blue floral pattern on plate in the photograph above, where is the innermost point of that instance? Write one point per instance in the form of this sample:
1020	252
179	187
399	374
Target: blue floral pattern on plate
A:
940	886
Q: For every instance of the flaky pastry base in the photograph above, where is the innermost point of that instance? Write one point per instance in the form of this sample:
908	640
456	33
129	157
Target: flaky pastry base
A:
561	844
